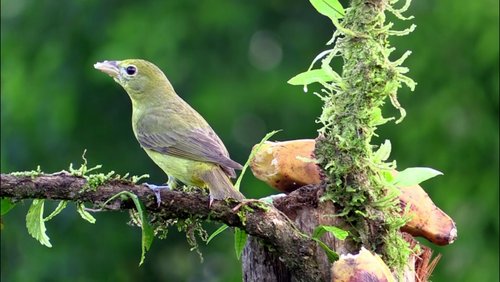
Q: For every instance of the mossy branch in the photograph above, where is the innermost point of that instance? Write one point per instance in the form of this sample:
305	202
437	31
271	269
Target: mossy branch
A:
269	224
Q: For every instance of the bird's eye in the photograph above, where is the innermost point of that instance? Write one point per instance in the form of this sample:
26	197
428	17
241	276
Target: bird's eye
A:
131	70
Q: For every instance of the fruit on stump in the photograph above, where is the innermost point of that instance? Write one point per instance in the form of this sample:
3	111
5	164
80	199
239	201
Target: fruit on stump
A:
427	220
286	165
364	266
289	165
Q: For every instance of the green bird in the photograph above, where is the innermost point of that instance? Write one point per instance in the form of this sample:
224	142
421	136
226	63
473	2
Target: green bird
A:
174	135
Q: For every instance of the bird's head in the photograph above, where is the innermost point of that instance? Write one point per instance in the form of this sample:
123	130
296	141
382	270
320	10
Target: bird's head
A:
139	78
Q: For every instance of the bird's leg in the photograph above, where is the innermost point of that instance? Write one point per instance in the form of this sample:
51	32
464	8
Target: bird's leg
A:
172	182
156	189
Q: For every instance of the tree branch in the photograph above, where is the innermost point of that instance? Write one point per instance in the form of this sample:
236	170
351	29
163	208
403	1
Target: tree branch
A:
271	225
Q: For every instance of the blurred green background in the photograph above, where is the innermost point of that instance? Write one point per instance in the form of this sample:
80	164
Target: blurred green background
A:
230	60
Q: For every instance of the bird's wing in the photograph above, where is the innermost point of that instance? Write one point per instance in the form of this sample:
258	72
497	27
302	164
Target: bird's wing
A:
192	144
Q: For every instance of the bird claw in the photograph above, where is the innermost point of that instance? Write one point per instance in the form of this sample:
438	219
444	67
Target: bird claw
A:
156	190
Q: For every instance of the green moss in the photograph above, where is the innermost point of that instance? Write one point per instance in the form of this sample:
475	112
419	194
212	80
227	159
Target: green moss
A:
242	213
192	227
350	116
31	173
261	205
249	207
94	180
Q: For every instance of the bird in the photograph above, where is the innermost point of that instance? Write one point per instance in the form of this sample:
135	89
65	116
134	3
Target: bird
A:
174	135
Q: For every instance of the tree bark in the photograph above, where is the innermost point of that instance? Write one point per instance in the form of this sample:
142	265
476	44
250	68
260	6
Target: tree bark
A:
307	212
278	248
269	225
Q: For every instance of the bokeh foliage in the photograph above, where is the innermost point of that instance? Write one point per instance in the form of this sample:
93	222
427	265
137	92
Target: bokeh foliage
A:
230	60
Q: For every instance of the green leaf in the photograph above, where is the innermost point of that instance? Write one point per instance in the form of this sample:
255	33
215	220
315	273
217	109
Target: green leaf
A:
6	205
414	175
84	214
59	208
240	239
217	232
252	154
384	151
147	230
311	76
335	231
35	223
330	8
331	254
376	117
325	66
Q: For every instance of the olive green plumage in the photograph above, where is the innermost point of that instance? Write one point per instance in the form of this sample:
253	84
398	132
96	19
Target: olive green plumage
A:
172	133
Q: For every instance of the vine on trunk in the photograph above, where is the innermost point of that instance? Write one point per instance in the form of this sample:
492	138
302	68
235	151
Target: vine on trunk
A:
359	177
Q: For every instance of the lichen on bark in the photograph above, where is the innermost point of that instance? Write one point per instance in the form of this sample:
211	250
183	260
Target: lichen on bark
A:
358	178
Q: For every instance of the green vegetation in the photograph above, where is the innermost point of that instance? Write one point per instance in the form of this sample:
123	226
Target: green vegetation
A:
230	60
29	173
351	113
336	232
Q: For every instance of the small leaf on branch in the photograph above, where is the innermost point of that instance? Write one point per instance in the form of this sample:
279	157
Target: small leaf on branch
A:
311	76
59	208
35	223
240	239
330	8
376	117
414	176
80	207
331	254
217	232
384	151
335	231
147	230
252	154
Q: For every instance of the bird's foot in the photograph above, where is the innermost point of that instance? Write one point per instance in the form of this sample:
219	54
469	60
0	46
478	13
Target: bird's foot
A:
156	189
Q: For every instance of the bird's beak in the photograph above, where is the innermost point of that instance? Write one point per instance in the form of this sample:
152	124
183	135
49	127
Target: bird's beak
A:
109	67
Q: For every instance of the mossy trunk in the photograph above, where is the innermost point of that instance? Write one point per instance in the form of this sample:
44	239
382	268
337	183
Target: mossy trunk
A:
262	264
259	264
356	175
356	189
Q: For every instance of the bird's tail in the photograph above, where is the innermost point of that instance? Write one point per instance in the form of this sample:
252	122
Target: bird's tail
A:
220	186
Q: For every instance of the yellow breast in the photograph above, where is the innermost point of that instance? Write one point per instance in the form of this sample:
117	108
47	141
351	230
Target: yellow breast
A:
187	171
